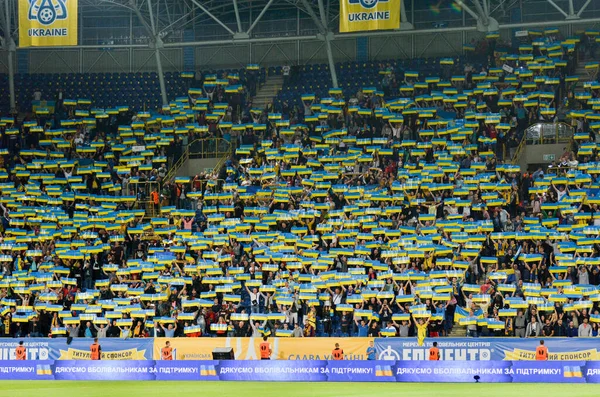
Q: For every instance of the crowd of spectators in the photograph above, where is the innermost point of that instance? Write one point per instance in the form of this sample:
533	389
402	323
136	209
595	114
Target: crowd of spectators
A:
344	216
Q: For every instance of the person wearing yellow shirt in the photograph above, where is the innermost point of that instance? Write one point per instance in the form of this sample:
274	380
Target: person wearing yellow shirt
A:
421	330
311	323
428	262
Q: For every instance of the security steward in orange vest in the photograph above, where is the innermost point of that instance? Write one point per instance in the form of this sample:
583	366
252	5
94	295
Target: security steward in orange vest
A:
338	354
95	350
265	349
167	352
434	352
21	352
541	352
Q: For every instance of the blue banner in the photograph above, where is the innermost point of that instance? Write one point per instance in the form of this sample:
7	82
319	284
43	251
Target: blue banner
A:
78	349
486	349
394	349
313	371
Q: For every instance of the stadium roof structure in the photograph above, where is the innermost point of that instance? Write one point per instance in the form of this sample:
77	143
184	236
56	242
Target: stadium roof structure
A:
162	23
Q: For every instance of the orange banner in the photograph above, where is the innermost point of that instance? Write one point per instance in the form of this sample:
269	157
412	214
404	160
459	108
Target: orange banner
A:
248	348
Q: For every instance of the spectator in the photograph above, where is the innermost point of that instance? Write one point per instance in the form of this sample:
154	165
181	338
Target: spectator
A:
585	329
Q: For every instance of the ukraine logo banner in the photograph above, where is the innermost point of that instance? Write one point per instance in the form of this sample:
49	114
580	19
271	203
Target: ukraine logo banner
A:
361	15
45	23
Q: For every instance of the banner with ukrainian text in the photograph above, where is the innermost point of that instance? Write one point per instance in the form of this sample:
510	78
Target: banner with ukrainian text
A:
78	349
306	371
363	15
47	23
488	349
248	348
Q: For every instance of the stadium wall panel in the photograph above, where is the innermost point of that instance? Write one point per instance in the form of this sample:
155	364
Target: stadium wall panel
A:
313	371
144	60
224	56
390	47
98	61
55	61
438	44
269	54
394	349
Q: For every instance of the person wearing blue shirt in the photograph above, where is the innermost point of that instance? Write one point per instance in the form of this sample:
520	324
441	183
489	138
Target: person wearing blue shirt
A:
371	351
363	328
169	331
88	330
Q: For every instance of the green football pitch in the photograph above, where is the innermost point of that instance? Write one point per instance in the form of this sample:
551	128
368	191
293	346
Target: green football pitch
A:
299	389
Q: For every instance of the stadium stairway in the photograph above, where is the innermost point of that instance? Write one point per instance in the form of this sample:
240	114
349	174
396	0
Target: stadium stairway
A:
268	91
586	75
458	331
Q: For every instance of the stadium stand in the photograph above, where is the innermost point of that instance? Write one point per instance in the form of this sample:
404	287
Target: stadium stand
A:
140	91
349	211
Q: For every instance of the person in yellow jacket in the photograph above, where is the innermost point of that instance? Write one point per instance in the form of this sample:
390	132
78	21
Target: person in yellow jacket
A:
421	329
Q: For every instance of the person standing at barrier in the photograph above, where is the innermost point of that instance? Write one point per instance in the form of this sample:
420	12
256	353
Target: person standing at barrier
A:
520	324
421	330
95	350
265	349
338	354
21	352
371	351
167	352
541	352
434	353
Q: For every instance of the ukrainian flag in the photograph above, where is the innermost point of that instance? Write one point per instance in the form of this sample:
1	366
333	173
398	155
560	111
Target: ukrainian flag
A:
44	370
383	370
208	370
572	372
286	333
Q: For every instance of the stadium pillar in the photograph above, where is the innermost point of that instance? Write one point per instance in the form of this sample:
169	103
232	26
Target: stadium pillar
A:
324	35
404	24
11	73
156	44
159	69
11	50
572	14
334	80
485	23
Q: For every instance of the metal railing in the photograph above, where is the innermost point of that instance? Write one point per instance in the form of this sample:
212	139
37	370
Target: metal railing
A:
542	134
548	133
177	165
201	149
517	155
144	201
209	148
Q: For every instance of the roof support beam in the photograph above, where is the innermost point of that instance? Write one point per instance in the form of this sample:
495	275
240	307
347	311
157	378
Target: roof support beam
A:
553	4
259	17
467	9
308	8
583	7
217	20
483	16
237	16
143	21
